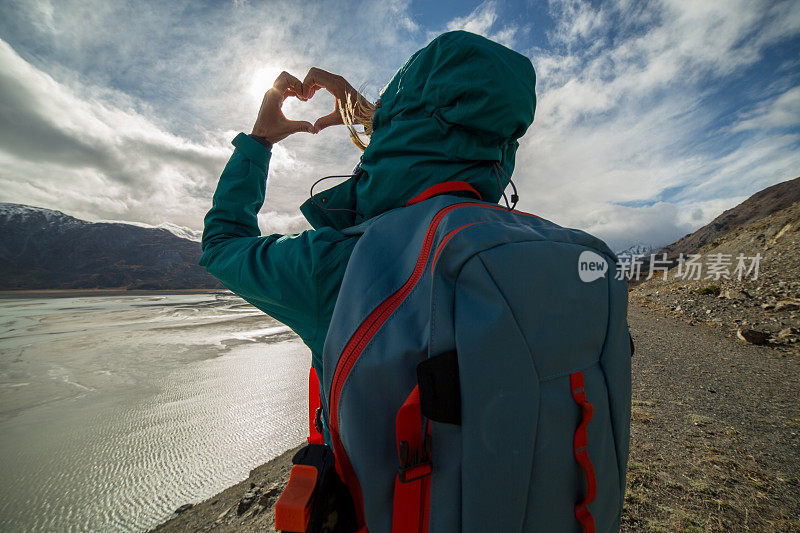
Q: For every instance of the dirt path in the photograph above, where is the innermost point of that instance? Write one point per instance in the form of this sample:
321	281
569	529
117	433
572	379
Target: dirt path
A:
714	432
714	440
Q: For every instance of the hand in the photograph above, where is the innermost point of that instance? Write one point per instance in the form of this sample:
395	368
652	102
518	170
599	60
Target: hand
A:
334	84
271	123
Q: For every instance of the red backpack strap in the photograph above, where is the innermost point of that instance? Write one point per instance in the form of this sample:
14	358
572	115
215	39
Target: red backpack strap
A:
412	486
580	447
314	410
444	188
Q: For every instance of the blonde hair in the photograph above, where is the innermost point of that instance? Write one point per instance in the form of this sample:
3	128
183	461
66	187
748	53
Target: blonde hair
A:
359	112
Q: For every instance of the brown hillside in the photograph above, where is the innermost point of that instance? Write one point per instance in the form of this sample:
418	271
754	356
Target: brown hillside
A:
761	204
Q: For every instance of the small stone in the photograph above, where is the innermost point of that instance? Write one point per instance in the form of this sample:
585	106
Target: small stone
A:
245	503
787	305
785	333
270	494
752	336
224	513
183	508
767	307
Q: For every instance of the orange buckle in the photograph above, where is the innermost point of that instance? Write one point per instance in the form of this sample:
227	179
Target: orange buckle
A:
293	508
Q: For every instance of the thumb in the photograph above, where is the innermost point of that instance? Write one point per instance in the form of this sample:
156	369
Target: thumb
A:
300	125
331	119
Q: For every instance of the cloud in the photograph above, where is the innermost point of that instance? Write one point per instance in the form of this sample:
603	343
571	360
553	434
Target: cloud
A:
120	112
483	21
645	126
780	112
111	161
641	114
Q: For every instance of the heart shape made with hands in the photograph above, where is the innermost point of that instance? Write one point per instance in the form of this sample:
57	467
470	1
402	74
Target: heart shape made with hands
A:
273	125
297	108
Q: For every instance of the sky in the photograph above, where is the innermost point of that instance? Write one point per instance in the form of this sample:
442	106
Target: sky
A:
652	116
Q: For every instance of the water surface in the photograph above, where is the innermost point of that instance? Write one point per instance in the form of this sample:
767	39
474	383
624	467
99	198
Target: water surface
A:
115	410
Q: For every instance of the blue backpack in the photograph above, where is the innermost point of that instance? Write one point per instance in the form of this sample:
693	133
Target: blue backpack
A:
477	373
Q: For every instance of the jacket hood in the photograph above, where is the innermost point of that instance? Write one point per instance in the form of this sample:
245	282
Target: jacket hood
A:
455	108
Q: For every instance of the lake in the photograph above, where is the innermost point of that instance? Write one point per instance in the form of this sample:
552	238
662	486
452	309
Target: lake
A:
115	410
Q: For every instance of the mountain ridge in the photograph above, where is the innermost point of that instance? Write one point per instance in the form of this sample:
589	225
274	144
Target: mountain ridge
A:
759	205
46	249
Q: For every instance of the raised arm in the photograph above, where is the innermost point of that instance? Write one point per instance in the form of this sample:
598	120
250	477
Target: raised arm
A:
279	274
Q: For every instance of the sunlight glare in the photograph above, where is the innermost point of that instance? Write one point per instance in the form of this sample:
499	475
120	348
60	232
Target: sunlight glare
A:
262	80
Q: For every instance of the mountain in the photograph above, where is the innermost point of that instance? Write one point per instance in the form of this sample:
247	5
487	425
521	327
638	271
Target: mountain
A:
761	204
757	302
637	249
46	249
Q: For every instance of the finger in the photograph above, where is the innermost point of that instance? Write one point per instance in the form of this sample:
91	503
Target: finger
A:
291	92
300	125
334	83
286	82
309	90
331	119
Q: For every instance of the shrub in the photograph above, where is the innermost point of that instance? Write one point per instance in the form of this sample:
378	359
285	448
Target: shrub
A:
711	289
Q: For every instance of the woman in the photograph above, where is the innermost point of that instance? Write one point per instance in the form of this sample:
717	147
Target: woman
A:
456	107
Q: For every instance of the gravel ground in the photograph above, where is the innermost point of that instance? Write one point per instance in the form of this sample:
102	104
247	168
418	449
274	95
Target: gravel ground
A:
714	431
714	440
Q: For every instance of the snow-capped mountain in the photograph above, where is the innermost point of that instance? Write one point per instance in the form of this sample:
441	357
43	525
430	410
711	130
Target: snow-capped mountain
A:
637	249
47	249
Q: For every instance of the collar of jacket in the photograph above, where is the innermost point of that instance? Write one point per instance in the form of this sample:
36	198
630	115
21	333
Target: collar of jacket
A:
336	207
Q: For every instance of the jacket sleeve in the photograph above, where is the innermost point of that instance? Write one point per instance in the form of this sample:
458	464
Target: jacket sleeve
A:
279	274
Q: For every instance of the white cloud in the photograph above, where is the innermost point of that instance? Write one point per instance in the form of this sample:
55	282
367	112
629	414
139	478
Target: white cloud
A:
781	112
638	116
57	146
130	115
483	21
121	111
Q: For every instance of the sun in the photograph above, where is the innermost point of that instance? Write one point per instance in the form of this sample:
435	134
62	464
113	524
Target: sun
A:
262	80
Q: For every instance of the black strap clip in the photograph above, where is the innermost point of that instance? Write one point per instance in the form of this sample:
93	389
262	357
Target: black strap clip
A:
417	464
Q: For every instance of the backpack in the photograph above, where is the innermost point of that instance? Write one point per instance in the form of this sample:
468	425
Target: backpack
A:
477	373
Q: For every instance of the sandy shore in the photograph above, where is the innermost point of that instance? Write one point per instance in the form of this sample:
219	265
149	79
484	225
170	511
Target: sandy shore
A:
81	293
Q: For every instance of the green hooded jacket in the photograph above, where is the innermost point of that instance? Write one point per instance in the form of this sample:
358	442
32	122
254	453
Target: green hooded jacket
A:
454	109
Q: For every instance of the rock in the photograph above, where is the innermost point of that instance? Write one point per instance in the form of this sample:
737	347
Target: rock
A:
224	514
787	305
752	336
270	494
245	503
183	508
767	307
734	294
787	332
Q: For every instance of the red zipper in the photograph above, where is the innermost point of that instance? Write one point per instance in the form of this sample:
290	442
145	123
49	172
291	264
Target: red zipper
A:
380	314
368	329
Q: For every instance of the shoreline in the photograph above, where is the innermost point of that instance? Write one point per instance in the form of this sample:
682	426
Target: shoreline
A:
247	506
81	293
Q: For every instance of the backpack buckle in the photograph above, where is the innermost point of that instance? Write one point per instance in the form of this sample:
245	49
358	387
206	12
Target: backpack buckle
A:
318	420
417	464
